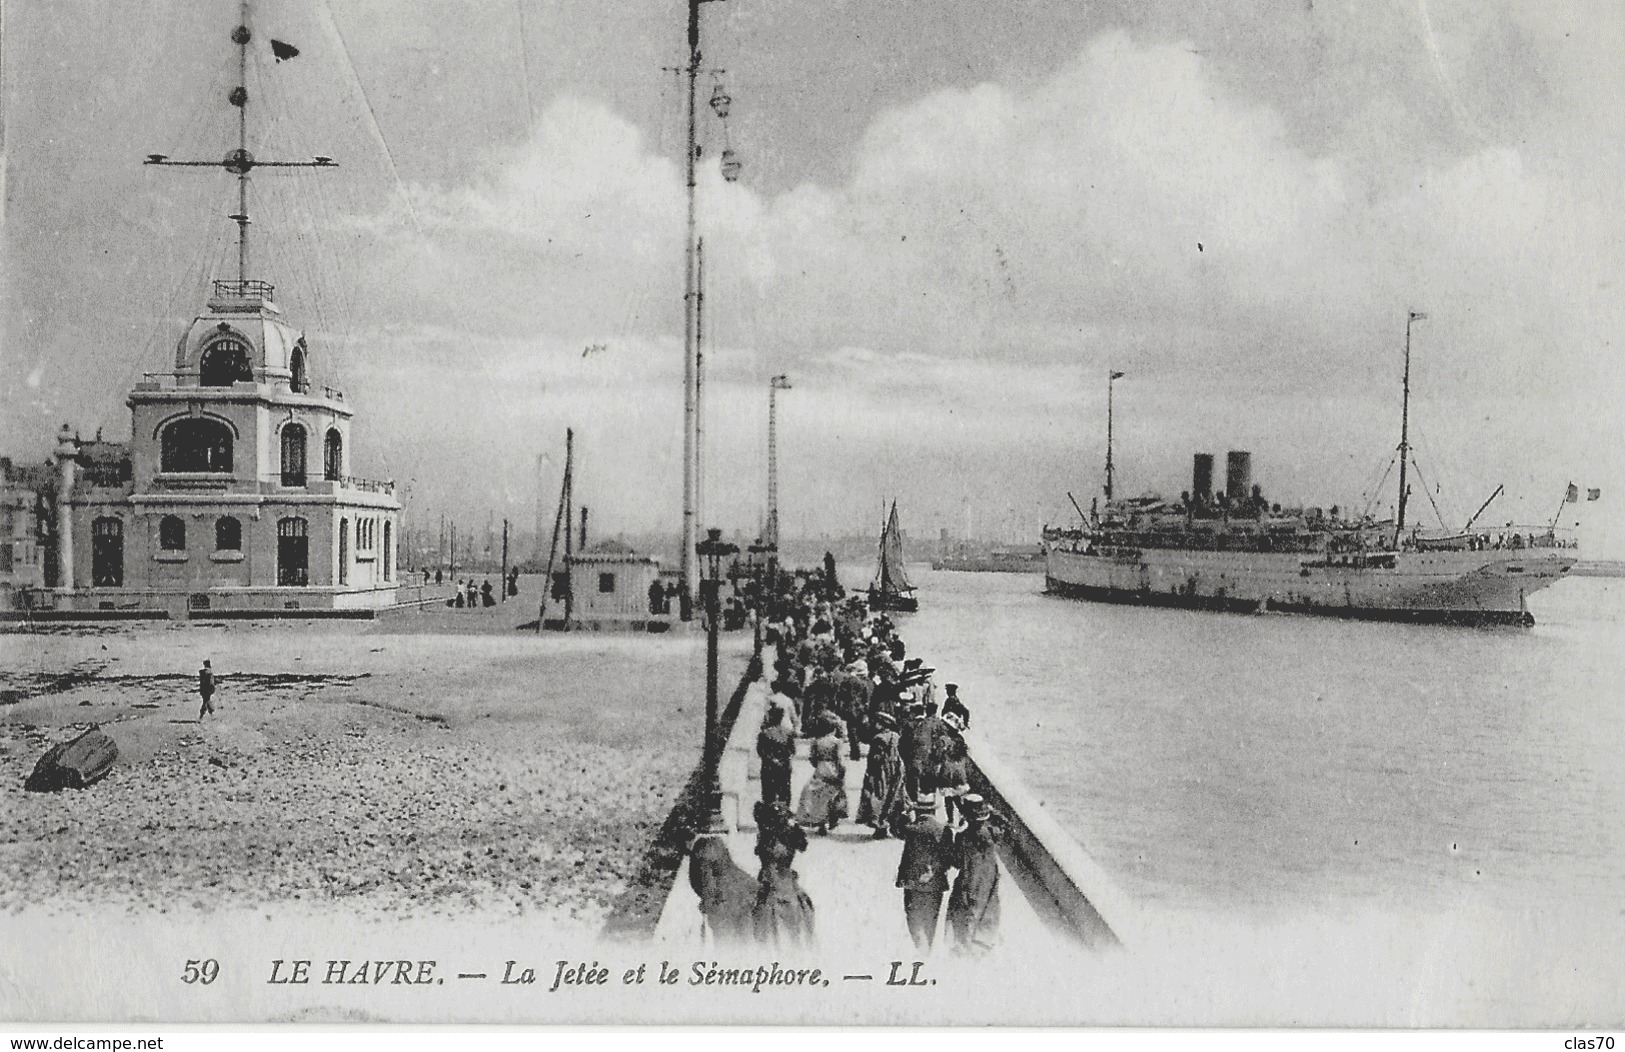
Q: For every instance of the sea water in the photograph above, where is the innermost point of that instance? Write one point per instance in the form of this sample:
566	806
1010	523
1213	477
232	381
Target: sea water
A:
1401	824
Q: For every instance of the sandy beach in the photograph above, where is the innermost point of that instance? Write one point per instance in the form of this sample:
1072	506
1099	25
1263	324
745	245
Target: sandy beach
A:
431	763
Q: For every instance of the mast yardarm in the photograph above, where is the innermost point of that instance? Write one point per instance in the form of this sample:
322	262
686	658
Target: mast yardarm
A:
241	161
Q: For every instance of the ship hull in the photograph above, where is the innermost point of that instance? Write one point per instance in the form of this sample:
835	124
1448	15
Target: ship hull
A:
897	602
1022	565
1452	588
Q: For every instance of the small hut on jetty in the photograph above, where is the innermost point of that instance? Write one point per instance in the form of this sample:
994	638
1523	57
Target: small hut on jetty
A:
606	588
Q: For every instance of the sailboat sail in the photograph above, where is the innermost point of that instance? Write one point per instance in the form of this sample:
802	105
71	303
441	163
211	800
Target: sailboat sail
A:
891	576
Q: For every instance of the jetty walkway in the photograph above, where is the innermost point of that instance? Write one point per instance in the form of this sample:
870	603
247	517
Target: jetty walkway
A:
851	876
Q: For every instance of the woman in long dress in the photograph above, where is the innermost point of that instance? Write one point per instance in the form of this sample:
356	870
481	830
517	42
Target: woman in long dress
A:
823	799
784	913
882	804
727	894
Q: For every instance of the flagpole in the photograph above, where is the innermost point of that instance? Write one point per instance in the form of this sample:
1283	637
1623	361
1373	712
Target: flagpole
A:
1571	495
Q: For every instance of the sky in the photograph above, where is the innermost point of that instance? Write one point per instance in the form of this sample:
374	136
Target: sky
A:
954	218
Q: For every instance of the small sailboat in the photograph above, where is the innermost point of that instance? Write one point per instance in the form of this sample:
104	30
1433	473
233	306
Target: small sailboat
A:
891	589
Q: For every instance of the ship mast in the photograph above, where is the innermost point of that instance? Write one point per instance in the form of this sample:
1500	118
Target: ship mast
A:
1405	426
240	162
1112	376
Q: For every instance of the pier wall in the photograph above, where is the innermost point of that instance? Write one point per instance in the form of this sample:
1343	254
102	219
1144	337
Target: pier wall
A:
1058	879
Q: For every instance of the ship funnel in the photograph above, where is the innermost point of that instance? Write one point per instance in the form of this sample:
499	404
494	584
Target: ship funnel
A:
1238	475
1202	478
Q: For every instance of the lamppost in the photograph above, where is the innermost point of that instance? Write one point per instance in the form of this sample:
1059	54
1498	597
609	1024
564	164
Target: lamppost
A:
713	550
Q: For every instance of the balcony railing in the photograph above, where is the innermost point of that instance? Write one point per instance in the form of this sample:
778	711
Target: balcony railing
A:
244	290
173	380
365	485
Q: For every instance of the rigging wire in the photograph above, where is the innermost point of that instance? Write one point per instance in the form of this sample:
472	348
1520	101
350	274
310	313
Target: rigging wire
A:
1436	512
201	118
328	260
524	67
1373	484
1375	494
377	129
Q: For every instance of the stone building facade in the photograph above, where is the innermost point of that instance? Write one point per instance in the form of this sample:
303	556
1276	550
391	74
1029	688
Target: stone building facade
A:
27	543
234	495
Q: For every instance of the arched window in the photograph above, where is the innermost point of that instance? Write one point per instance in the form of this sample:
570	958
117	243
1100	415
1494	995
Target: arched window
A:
301	380
196	444
228	535
224	362
292	552
389	551
333	456
172	533
344	551
293	455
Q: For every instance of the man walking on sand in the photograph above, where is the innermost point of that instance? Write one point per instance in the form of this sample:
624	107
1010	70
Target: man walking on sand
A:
205	687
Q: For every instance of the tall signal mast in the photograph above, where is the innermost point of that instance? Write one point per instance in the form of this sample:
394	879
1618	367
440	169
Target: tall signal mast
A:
692	453
770	536
240	161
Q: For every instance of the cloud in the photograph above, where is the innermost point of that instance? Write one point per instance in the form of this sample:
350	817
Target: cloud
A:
948	307
994	248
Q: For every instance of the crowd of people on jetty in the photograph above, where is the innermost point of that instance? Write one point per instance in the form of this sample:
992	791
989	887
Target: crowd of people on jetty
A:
844	683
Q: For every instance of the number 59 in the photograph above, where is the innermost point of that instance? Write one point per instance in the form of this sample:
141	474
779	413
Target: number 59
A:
205	971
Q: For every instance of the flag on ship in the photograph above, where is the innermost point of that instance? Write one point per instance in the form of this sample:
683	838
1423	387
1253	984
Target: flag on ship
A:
1593	494
1572	496
283	50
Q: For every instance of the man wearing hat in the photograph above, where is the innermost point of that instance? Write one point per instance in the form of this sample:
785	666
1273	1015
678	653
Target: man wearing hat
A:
852	697
923	871
937	736
954	706
973	907
915	746
776	746
924	688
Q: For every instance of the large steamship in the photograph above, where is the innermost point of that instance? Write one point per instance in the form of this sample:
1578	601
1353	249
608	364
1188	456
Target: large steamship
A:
1232	550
